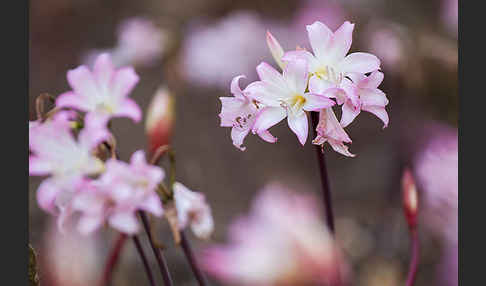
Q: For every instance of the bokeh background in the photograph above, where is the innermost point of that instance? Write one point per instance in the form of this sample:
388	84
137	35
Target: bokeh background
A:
199	46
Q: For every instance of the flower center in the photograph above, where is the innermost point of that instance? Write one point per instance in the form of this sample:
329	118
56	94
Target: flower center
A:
295	103
328	73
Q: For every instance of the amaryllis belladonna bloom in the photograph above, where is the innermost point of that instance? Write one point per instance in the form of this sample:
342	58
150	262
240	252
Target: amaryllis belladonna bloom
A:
330	130
192	210
117	195
239	112
281	242
102	93
58	154
284	95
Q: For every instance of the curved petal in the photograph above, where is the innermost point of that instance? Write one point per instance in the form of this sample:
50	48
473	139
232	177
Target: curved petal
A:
235	87
268	117
360	63
265	93
89	223
152	205
372	81
230	109
39	167
125	222
340	147
82	81
316	102
295	74
46	195
267	136
299	125
320	38
123	81
341	42
373	97
103	70
129	108
238	135
275	49
349	113
380	112
73	100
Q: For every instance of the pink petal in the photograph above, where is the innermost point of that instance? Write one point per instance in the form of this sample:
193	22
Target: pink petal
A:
360	63
129	108
103	70
380	112
372	81
267	136
89	223
349	113
39	167
125	222
351	92
340	148
238	135
301	55
94	131
235	87
264	92
275	49
268	74
319	37
341	41
73	100
373	97
299	125
295	74
268	117
316	102
82	82
123	81
138	158
230	109
46	195
153	205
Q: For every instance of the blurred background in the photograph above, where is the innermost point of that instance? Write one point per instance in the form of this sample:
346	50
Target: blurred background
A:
195	47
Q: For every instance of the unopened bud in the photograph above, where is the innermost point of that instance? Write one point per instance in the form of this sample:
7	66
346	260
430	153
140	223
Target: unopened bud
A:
410	198
275	49
160	119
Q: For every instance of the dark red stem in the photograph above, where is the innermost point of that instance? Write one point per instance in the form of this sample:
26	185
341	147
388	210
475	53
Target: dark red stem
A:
186	247
113	259
326	190
412	272
138	245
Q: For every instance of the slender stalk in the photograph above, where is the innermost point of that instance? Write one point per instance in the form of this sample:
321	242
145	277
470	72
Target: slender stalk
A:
186	247
113	259
164	270
412	272
326	190
144	260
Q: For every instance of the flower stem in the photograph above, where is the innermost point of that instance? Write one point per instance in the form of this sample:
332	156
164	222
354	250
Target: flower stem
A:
113	259
186	247
144	260
164	270
326	191
414	257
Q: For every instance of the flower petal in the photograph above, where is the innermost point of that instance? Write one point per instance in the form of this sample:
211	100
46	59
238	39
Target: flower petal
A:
82	81
39	167
103	70
129	108
316	102
299	125
349	113
380	112
235	87
73	100
267	136
275	49
268	117
125	222
238	135
372	81
123	81
46	195
153	205
320	38
341	42
360	63
89	223
295	75
265	92
373	97
268	74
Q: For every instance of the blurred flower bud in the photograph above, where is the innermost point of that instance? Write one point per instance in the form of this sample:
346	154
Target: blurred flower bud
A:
410	198
160	119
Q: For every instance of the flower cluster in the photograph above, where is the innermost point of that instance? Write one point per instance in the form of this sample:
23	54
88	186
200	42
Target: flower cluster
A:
309	82
66	147
283	241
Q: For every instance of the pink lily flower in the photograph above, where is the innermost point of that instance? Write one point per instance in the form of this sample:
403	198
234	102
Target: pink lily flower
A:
116	196
284	95
193	210
102	93
281	242
329	64
371	98
330	130
239	112
57	153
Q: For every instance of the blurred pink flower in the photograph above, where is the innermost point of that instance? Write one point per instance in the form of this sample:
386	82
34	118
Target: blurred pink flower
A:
331	13
450	15
118	194
281	242
102	93
330	130
284	95
140	43
55	152
193	210
371	98
239	112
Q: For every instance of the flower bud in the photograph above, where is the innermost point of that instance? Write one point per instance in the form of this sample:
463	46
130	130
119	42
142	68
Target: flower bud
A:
160	119
275	49
410	198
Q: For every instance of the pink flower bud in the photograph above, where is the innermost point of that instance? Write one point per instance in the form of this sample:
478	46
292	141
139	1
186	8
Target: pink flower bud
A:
410	198
160	119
